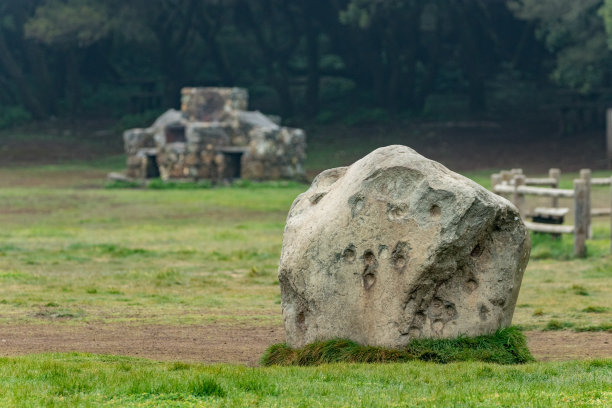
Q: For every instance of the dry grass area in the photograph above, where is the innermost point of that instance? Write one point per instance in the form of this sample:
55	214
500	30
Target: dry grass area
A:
74	255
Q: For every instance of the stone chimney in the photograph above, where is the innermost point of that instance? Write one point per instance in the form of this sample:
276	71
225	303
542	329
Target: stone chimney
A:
212	104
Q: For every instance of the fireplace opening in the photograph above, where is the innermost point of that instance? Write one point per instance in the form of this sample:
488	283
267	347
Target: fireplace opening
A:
152	169
232	157
175	133
232	165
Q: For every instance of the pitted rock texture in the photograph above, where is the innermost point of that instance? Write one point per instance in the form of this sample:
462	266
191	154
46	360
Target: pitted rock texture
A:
397	247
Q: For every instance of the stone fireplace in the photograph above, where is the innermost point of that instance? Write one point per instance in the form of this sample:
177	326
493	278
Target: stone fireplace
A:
214	137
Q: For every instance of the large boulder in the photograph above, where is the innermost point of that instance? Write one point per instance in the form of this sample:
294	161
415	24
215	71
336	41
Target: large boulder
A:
398	247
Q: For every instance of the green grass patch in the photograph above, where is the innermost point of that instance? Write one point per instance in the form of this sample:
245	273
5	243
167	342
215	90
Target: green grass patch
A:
76	379
14	275
601	269
171	254
604	327
580	290
554	325
506	346
545	246
595	309
56	312
112	250
274	184
123	184
159	184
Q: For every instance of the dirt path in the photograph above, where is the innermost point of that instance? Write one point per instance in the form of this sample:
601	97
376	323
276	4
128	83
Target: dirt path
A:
230	344
209	344
563	345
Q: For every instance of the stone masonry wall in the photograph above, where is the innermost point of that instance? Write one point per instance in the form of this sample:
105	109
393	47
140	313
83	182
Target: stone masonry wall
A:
138	143
275	153
221	140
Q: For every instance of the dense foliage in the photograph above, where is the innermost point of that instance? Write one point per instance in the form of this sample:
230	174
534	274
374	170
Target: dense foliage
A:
299	58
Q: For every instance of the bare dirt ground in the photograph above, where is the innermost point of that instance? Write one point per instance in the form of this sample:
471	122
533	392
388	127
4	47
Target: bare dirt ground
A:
241	344
460	145
56	142
564	345
470	146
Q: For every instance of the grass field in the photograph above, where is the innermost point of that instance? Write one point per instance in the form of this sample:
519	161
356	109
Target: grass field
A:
87	380
148	256
74	253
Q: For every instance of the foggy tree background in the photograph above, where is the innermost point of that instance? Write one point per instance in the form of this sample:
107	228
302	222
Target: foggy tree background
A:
308	60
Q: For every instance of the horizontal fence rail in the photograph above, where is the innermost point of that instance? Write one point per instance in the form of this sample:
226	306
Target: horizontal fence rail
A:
546	181
551	212
600	212
538	191
517	186
601	181
549	228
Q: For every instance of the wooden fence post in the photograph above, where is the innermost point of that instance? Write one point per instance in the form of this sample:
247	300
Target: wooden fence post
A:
506	176
580	218
518	199
495	180
555	174
585	174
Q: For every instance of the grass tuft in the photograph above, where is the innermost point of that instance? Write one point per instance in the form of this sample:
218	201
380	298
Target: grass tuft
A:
506	346
604	327
580	290
545	246
159	184
554	325
114	184
595	309
203	386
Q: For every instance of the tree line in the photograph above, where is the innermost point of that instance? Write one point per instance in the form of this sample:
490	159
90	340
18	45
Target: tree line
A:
297	57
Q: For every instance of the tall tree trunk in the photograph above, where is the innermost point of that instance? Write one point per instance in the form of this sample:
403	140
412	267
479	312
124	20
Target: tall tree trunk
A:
274	59
26	93
210	21
372	62
477	93
170	65
7	93
313	76
281	83
73	81
408	33
471	59
172	27
40	69
224	68
431	72
394	68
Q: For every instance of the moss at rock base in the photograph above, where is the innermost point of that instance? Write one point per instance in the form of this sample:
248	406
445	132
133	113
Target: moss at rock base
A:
506	346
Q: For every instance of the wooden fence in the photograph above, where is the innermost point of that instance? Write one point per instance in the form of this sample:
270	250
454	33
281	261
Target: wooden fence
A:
514	184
